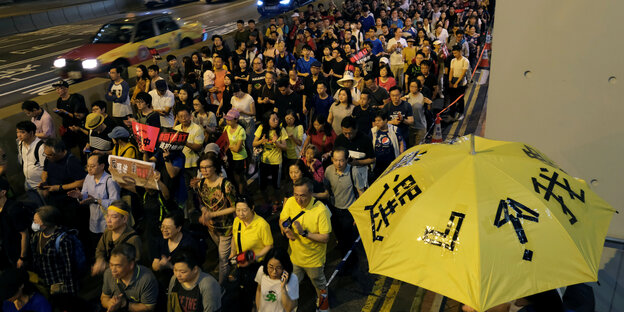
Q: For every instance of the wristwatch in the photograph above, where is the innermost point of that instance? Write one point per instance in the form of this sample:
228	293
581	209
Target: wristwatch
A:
305	233
60	187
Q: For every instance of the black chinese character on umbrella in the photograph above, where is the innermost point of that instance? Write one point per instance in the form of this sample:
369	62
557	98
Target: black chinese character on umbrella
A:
549	191
521	211
379	212
407	159
448	238
535	154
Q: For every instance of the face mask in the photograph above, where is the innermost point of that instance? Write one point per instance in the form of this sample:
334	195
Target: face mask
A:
35	227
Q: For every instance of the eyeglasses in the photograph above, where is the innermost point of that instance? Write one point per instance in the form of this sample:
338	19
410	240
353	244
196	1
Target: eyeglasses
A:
274	268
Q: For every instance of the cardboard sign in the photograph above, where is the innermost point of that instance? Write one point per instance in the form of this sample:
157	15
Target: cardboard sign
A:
172	140
131	171
146	136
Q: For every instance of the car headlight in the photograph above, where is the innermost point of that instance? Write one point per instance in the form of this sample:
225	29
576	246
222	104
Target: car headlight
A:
284	2
260	2
89	64
60	63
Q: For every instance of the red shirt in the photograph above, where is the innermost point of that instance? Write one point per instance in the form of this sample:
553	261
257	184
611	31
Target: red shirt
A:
323	143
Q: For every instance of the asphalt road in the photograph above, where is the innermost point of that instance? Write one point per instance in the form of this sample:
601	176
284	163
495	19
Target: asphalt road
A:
26	59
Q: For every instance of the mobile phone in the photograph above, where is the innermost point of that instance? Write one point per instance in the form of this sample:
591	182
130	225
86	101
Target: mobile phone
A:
87	151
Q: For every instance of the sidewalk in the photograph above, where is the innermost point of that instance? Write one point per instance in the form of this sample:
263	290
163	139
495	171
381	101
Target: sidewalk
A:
34	15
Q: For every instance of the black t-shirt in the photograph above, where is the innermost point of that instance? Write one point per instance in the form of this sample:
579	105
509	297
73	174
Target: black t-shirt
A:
291	101
431	81
224	53
190	300
74	104
377	97
364	118
100	141
339	69
405	109
243	82
309	85
257	81
14	218
236	57
265	92
64	171
361	143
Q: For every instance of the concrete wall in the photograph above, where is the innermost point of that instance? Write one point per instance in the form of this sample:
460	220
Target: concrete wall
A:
70	12
556	83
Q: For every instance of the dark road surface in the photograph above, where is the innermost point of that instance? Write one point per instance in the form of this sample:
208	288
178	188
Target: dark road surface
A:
26	59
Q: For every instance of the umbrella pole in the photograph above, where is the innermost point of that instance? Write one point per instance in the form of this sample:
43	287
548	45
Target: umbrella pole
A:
472	144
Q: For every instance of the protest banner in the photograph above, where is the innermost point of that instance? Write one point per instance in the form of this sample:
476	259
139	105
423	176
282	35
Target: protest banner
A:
131	171
146	136
172	140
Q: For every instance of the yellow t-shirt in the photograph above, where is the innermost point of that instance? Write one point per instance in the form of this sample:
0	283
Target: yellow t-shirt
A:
196	136
238	135
316	219
256	236
291	147
272	154
128	151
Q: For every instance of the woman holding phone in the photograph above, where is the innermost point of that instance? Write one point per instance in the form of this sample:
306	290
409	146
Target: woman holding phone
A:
278	288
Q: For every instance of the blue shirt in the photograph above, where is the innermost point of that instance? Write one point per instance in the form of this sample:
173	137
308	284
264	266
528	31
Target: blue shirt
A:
107	191
367	22
321	106
303	66
377	46
37	303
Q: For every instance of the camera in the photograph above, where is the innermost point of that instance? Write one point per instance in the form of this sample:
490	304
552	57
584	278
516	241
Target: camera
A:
243	257
287	223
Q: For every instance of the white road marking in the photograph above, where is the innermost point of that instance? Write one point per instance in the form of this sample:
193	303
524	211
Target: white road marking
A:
43	46
30	86
36	58
11	73
14	80
22	42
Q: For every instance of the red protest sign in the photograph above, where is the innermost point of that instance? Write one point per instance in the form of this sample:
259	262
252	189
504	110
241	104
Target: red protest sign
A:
146	136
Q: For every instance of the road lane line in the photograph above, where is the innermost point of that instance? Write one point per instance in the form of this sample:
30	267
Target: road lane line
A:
22	42
25	78
472	104
418	299
219	9
30	86
391	296
374	296
36	58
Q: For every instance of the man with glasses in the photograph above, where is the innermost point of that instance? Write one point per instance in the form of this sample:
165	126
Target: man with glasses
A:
62	172
118	93
99	190
306	223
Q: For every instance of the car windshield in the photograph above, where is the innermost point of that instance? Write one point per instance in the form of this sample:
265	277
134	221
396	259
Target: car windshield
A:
114	33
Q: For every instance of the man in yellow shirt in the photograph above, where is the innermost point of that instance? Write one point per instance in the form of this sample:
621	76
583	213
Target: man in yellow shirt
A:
306	223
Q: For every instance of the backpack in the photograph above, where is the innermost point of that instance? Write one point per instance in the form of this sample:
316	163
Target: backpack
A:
78	257
37	148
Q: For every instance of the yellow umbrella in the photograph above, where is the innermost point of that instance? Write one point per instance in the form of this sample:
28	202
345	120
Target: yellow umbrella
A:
482	227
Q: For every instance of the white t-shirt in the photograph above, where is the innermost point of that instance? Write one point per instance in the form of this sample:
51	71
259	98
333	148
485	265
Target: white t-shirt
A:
242	104
396	58
271	291
458	66
162	102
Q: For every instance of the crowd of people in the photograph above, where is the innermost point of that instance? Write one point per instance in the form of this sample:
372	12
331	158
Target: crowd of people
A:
313	109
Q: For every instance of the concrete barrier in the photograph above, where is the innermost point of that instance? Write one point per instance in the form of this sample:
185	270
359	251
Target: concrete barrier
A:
92	90
10	25
41	20
71	14
7	26
23	23
57	17
85	10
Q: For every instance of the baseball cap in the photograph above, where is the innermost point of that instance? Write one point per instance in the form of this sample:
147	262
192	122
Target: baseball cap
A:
161	85
316	64
94	120
212	147
295	15
384	60
232	114
119	132
61	83
437	42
